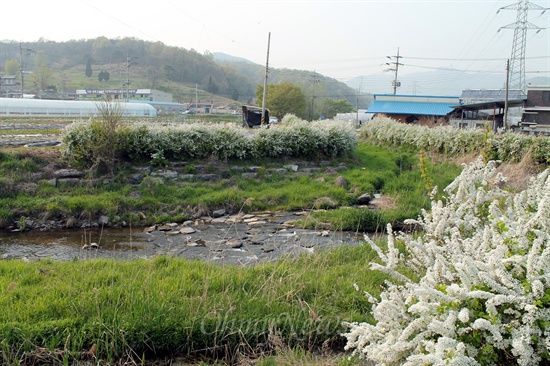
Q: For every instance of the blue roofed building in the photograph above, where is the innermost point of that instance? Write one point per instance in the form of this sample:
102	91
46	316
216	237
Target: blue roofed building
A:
414	108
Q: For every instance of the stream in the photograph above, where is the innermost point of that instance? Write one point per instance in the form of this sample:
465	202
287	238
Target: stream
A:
238	239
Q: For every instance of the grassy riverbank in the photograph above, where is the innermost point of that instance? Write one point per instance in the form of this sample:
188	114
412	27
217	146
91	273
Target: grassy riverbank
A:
27	193
165	307
116	311
283	312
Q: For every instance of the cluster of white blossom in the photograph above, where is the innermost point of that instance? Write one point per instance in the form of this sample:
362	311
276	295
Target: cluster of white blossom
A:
507	146
292	137
299	138
483	298
443	139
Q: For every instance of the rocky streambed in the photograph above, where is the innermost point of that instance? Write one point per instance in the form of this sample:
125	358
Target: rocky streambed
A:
241	239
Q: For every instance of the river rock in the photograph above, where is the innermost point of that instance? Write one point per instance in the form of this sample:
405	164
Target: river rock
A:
135	178
364	199
268	248
196	243
150	229
27	187
69	181
168	174
187	230
68	173
218	213
233	244
257	223
341	182
255	240
324	202
207	176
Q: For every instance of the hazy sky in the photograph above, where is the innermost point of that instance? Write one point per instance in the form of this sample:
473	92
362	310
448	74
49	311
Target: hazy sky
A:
339	39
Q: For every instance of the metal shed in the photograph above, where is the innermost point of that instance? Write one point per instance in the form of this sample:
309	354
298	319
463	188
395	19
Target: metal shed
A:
408	108
43	107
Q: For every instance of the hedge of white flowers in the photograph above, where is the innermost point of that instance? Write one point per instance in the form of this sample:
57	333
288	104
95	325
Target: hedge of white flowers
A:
481	295
291	138
508	146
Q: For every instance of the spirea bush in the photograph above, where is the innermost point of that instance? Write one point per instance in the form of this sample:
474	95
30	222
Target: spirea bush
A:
508	146
292	138
299	138
481	295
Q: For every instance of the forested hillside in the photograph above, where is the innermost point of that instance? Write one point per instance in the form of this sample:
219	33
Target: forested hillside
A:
104	63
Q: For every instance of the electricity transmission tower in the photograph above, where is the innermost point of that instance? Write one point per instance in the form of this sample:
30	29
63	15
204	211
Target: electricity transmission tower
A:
520	27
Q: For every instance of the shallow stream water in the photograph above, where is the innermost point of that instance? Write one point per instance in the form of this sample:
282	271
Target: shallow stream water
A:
245	242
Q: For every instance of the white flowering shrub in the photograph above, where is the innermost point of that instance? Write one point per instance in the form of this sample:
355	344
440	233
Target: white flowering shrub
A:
482	290
298	138
292	138
509	146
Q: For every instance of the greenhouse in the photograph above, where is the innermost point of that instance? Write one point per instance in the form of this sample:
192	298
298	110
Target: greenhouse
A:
43	107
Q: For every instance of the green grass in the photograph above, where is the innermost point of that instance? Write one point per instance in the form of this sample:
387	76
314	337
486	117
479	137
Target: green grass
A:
30	132
167	307
164	307
372	169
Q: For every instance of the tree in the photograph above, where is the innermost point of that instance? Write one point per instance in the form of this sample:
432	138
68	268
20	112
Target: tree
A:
42	77
169	72
283	99
330	107
153	74
212	86
235	94
42	74
103	76
11	67
89	67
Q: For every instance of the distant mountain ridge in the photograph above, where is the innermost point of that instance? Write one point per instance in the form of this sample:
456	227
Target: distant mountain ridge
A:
442	82
224	57
186	74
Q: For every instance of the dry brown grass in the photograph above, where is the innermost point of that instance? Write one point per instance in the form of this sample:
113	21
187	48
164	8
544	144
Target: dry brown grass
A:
519	174
383	203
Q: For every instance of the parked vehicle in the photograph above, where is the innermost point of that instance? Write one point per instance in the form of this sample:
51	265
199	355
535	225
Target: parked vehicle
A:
252	116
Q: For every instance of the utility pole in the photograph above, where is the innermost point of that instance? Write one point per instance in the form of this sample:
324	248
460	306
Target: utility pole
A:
520	27
27	52
505	117
395	69
315	81
265	79
129	63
